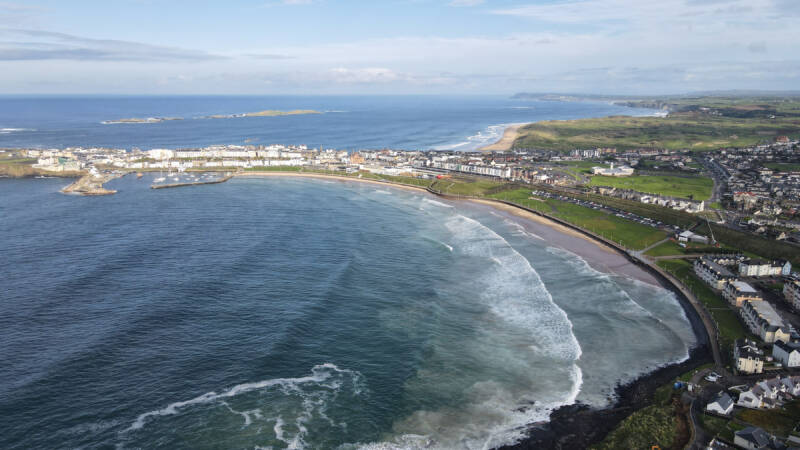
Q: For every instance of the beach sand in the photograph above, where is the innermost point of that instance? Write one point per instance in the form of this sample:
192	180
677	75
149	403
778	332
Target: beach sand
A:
509	135
598	255
330	177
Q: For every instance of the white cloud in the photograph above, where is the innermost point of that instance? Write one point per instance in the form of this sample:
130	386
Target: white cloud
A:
20	45
466	2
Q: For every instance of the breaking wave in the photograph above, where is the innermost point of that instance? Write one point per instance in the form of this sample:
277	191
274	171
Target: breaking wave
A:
286	406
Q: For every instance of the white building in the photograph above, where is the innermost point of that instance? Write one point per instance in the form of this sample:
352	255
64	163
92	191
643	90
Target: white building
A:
722	404
764	321
747	357
761	268
788	353
623	171
712	273
736	292
791	292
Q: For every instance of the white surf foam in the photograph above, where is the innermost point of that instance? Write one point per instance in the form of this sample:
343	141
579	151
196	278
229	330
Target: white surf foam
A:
489	135
323	375
498	412
434	202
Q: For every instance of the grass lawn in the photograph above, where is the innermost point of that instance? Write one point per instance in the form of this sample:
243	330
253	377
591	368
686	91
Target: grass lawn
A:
666	249
698	188
779	421
653	425
717	426
784	167
18	160
475	188
630	234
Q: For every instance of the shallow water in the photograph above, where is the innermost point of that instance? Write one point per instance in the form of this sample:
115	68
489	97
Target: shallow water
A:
300	313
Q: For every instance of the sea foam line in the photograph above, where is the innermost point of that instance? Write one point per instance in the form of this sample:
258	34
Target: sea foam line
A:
319	373
511	265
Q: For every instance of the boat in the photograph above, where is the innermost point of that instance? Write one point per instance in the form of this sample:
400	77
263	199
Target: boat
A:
139	175
160	180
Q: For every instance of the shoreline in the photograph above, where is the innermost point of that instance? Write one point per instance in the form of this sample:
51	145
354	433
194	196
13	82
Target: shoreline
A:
576	425
505	143
579	425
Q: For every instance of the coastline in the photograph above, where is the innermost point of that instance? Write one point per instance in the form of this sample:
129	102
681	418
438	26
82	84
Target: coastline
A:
579	425
407	187
575	425
505	143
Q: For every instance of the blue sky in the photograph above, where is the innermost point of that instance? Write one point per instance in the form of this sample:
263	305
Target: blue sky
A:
398	46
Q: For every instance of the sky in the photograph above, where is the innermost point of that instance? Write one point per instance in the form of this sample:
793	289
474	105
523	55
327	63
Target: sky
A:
632	47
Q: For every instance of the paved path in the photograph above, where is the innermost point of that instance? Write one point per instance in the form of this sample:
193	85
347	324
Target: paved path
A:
646	249
689	256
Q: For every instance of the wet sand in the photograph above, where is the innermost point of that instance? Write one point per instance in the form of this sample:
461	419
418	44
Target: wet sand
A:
330	177
598	255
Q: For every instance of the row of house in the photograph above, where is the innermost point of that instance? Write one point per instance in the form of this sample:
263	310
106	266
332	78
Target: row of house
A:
680	204
770	393
791	292
762	268
763	321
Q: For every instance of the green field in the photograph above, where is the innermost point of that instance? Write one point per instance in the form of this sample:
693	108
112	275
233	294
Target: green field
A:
666	249
784	167
779	421
629	234
749	243
678	131
472	188
697	188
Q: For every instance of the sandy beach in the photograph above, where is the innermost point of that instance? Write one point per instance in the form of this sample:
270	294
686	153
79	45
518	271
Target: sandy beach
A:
329	177
509	135
598	255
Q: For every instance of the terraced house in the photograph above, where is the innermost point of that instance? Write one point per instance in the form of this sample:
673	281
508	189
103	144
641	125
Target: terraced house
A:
791	292
736	292
764	321
715	275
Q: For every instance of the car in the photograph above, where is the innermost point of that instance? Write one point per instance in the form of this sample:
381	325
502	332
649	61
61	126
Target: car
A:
713	377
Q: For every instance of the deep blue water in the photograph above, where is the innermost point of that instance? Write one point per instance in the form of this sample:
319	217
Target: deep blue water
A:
300	313
349	122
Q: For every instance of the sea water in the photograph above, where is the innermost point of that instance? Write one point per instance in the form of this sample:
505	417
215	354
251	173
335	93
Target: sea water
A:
299	313
345	122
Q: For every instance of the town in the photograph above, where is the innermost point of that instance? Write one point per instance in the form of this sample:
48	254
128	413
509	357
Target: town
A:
714	219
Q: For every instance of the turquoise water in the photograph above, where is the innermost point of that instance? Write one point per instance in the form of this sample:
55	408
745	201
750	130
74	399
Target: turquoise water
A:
296	313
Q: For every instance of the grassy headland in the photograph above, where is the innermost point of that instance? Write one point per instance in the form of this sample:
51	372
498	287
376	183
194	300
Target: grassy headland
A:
678	131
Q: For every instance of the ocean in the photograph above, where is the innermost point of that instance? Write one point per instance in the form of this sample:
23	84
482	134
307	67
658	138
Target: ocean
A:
346	122
301	313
